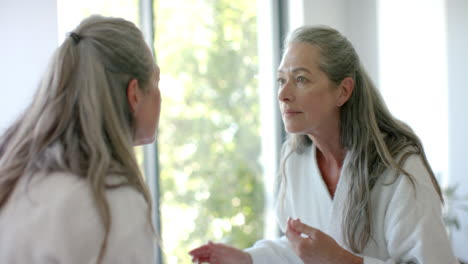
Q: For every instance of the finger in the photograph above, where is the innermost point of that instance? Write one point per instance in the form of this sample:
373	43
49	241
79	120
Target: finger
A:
213	260
200	250
291	226
196	249
202	255
293	236
201	260
300	227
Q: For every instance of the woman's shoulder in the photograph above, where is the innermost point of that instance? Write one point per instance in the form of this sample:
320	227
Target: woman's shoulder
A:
54	189
75	193
59	212
67	201
414	165
414	182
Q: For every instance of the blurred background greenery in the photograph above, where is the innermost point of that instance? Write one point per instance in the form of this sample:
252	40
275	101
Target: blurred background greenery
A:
209	143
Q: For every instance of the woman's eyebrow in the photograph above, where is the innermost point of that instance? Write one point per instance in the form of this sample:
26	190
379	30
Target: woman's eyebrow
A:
298	69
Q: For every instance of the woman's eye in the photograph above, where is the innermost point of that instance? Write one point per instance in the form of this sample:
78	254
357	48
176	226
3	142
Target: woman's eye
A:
301	79
281	81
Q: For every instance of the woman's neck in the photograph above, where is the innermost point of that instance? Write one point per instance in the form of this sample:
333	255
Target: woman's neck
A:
330	155
329	147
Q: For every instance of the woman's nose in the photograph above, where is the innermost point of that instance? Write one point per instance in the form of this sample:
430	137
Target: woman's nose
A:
285	93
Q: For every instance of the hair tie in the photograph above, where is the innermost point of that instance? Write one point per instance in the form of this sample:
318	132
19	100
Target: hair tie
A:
75	37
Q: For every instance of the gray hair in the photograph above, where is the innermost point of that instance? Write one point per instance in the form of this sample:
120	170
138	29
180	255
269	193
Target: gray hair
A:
374	140
79	120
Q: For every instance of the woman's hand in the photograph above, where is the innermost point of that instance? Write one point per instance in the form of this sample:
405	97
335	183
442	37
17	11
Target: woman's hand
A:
215	253
317	247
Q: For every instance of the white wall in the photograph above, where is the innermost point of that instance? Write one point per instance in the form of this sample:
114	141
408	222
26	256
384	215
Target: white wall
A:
311	12
355	19
28	31
457	32
413	72
362	30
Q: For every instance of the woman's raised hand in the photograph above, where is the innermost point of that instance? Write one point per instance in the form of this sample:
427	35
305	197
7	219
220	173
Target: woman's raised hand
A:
314	246
217	253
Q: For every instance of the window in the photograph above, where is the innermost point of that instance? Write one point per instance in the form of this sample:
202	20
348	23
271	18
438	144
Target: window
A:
209	136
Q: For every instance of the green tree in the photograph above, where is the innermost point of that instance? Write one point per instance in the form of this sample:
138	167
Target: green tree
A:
211	177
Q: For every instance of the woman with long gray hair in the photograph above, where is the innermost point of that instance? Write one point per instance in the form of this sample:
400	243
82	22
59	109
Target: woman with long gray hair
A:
356	186
70	186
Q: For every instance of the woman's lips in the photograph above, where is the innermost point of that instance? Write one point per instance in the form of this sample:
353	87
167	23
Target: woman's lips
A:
291	113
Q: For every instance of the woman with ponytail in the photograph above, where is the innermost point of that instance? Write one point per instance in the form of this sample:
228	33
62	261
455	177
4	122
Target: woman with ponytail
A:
70	187
355	185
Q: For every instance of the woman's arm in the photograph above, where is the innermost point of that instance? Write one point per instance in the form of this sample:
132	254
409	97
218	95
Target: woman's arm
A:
263	252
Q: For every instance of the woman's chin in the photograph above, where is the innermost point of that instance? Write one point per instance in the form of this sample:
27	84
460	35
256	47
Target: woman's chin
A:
143	141
293	130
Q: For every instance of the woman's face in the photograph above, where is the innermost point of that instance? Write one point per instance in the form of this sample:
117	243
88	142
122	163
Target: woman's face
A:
147	113
308	99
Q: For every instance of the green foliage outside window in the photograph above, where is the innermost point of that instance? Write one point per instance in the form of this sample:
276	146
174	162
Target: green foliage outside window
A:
209	142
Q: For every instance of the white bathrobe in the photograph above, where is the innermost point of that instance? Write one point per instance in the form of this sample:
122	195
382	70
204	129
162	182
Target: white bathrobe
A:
407	224
53	220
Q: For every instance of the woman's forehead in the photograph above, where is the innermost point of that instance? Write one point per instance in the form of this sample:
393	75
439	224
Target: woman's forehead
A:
300	56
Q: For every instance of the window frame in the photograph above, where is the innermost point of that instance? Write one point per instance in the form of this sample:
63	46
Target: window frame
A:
272	26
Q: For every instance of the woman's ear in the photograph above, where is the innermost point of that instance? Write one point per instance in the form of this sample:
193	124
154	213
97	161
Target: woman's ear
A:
346	89
133	94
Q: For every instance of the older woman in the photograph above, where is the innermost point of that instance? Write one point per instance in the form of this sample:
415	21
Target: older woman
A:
70	187
356	186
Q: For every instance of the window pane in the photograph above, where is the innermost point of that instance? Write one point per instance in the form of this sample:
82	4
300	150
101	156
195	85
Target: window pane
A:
209	142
